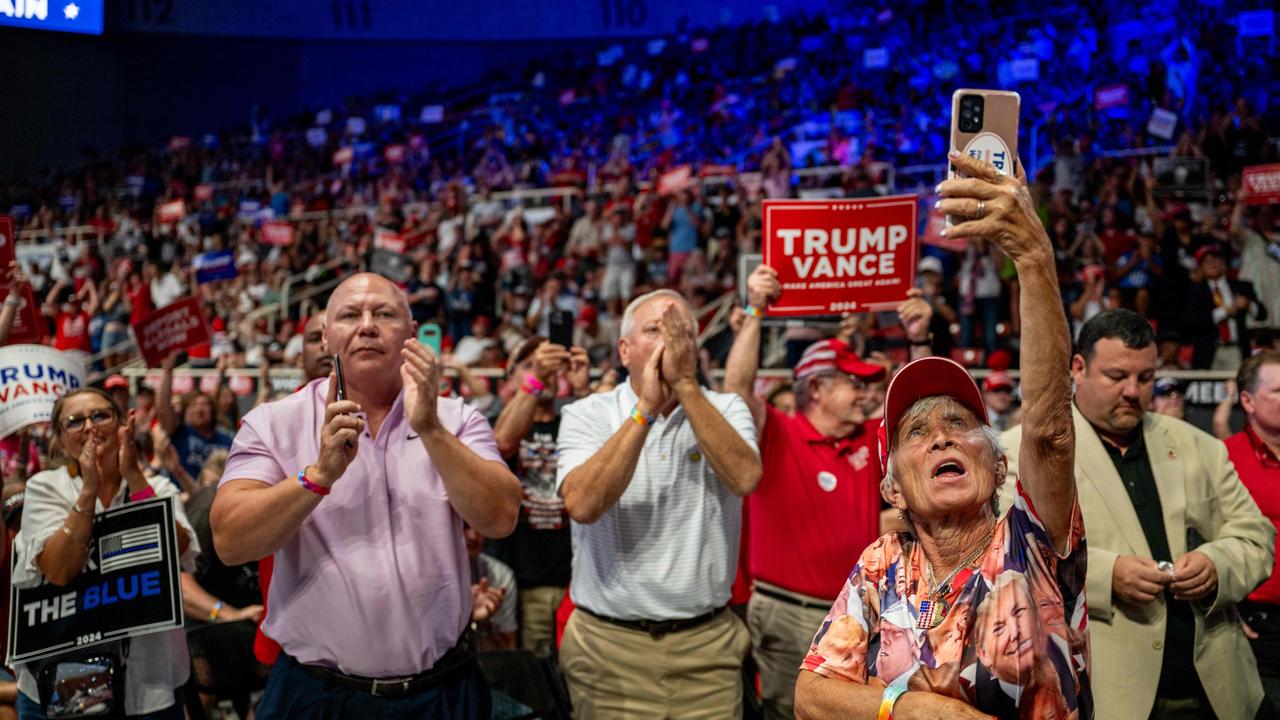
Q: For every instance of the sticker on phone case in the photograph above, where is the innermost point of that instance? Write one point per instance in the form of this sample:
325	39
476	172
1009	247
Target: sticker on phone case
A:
991	148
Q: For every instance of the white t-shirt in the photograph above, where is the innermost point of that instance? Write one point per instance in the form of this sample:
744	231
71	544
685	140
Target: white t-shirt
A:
166	289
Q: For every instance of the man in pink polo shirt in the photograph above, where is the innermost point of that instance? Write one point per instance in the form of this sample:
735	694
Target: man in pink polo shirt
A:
362	502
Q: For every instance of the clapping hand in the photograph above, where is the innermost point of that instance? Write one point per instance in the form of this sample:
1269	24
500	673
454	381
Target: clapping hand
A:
679	360
421	375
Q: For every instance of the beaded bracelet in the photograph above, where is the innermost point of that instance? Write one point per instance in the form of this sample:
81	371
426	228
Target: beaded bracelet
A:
310	486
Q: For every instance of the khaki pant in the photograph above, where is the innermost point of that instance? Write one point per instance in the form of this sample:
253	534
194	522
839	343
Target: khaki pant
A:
538	617
617	673
1226	358
780	637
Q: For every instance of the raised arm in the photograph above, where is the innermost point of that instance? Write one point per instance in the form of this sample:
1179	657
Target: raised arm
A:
592	488
165	414
517	417
740	369
735	460
483	491
252	519
1046	462
9	314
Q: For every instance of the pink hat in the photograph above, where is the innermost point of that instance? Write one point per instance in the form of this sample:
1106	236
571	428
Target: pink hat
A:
924	378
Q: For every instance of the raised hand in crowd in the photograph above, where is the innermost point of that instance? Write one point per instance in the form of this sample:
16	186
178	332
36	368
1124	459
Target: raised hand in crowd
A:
17	280
915	315
579	372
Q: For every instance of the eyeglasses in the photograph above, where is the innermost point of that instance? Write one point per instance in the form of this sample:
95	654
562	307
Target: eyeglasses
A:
75	423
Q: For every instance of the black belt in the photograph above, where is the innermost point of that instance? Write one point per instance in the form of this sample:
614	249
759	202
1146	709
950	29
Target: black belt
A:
459	658
790	599
658	628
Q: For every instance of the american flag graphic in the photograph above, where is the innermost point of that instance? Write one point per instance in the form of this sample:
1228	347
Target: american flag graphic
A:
121	550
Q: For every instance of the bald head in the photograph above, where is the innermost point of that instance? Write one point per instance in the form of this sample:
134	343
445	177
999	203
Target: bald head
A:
366	324
366	282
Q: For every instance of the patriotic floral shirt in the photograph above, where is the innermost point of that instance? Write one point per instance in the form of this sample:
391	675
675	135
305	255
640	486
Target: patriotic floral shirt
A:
1013	641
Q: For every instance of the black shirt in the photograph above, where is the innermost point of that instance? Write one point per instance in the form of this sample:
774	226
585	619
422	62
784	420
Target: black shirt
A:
1178	676
540	549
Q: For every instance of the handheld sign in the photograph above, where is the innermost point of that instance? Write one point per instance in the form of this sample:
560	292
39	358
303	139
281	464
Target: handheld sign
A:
278	233
1261	184
32	378
129	587
177	326
215	265
835	256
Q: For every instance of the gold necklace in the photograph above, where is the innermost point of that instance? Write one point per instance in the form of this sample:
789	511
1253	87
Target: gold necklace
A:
934	608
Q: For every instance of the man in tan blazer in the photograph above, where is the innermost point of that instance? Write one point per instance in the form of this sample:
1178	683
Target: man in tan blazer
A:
1166	643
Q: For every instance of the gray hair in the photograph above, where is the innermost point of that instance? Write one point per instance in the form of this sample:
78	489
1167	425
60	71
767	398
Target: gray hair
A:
629	316
804	387
924	406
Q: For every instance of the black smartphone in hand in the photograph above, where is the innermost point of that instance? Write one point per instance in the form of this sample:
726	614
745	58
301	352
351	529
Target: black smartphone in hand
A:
561	332
342	383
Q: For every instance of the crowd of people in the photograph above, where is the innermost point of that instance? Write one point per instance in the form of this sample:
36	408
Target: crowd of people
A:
603	501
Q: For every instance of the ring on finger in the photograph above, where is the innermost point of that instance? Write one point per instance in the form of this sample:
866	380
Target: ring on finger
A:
982	208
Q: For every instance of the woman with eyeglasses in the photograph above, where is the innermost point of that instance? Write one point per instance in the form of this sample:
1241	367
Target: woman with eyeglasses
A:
94	439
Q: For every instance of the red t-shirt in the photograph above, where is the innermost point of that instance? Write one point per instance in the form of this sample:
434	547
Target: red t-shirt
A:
264	648
139	303
1259	470
817	507
73	332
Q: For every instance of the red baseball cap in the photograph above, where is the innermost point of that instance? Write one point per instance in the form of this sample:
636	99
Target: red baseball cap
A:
1210	249
996	381
835	354
924	378
115	381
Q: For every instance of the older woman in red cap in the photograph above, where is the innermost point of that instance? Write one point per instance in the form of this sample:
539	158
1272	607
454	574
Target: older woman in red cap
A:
954	589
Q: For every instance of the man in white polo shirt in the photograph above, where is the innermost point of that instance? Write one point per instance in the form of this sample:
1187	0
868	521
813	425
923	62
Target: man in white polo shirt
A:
653	474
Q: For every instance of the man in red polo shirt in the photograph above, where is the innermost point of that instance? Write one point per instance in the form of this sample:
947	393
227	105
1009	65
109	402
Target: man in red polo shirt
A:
1255	451
818	504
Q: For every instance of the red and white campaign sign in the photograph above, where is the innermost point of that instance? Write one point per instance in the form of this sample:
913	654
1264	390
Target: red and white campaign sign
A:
386	239
675	180
171	212
1262	184
933	227
343	156
179	325
277	233
1111	96
835	256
